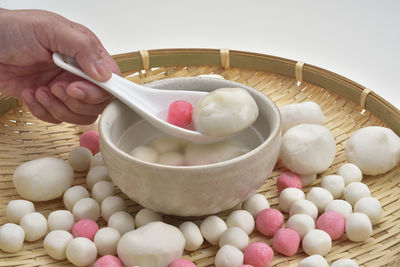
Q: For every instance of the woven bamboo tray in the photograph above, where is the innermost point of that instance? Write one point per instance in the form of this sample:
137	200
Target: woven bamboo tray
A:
23	138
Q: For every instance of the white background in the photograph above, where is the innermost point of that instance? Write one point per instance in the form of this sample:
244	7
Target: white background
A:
359	39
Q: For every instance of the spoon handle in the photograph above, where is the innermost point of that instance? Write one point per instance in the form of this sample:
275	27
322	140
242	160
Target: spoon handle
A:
70	64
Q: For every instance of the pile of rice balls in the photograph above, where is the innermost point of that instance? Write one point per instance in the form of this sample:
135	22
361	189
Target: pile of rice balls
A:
341	207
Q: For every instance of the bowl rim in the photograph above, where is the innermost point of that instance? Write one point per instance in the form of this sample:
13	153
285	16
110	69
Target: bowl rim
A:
272	136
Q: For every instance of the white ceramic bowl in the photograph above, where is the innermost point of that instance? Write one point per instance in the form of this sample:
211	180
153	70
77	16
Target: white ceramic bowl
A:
189	190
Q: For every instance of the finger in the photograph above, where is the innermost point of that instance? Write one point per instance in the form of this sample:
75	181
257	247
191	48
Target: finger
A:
87	92
36	108
79	42
80	89
58	110
76	105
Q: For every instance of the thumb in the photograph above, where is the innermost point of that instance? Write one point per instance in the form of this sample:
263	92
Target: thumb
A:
83	45
79	42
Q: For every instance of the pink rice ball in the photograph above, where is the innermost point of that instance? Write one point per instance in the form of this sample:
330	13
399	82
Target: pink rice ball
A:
333	223
85	228
286	241
90	140
108	261
258	254
288	179
268	221
182	263
180	113
245	265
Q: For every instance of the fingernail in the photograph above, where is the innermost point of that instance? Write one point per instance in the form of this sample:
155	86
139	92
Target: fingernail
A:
76	92
59	92
103	71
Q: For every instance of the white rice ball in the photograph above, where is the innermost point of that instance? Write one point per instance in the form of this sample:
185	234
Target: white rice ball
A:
340	206
358	227
106	241
374	149
202	154
317	242
145	153
212	229
97	160
307	179
308	149
81	251
11	237
192	234
236	237
371	207
350	173
86	208
79	158
304	206
288	196
228	256
320	197
313	261
224	112
60	220
73	195
300	113
121	221
55	243
301	223
355	191
145	216
34	225
334	184
17	208
242	219
155	244
102	190
111	205
167	144
97	174
43	179
255	204
172	159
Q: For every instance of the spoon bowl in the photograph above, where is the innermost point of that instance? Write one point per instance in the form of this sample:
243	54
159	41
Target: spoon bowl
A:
150	103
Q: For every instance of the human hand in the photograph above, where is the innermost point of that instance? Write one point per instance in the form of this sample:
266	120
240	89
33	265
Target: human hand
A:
27	40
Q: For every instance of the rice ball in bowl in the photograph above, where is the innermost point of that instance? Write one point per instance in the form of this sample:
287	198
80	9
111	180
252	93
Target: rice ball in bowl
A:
189	190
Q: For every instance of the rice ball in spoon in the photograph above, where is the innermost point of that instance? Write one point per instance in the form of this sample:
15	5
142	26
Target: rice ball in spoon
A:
224	112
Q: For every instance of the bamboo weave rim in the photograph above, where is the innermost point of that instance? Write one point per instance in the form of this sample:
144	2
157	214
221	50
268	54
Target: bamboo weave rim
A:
24	138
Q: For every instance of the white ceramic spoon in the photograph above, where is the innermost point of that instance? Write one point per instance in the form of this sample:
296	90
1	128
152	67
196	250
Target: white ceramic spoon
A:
151	104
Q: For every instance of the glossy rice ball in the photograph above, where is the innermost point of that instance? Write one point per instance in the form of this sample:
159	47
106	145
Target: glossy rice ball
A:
224	112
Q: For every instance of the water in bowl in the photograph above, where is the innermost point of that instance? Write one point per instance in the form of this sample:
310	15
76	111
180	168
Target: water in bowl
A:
143	133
